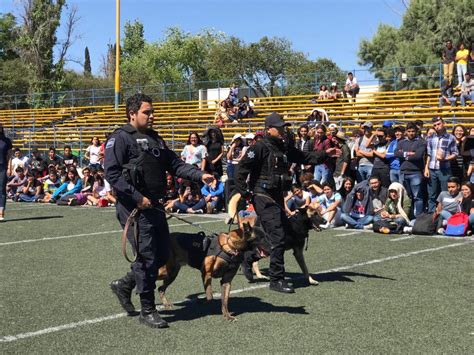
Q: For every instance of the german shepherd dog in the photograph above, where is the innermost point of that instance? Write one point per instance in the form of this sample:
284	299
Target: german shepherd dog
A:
296	236
216	257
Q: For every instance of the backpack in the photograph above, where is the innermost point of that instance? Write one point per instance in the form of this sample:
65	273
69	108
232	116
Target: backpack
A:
457	225
424	224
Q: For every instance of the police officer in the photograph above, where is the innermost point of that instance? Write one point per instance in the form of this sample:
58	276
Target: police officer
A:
136	161
263	174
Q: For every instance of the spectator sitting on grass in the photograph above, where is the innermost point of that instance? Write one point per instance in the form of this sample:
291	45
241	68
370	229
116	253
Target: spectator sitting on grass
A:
213	194
171	195
32	191
52	159
358	211
396	209
467	203
87	180
15	184
36	164
329	207
69	159
18	160
50	184
448	202
378	195
101	194
190	199
346	188
64	194
296	199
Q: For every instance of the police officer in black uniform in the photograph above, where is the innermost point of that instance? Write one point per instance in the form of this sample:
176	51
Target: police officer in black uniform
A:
263	175
136	161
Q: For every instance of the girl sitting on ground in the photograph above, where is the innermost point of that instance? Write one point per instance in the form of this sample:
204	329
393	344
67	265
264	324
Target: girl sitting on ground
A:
64	194
328	205
101	195
296	199
394	216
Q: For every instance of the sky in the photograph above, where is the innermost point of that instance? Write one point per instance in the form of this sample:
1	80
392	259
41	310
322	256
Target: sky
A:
319	28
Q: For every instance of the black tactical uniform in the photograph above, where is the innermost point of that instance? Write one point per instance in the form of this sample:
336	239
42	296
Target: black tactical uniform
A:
135	166
267	166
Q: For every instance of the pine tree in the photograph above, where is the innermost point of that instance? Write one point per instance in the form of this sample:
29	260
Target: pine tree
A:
87	63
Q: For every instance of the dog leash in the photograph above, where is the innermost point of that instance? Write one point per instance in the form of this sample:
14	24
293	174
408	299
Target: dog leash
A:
131	221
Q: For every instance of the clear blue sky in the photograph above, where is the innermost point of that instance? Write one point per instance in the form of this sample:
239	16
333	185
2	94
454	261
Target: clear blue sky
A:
320	28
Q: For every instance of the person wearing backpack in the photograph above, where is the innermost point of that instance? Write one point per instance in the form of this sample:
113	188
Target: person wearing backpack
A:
449	202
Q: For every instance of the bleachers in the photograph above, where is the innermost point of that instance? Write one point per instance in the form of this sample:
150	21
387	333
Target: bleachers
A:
174	120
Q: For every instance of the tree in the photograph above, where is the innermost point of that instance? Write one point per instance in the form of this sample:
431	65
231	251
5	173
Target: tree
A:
8	37
38	39
418	42
87	63
134	40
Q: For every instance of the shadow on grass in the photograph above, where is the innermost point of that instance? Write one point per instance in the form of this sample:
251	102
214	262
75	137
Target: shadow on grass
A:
237	305
341	276
38	218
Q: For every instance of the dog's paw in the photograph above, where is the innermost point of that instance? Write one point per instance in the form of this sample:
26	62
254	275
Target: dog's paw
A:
313	281
229	317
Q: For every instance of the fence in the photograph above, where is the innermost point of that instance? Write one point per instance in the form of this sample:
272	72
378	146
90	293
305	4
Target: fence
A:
416	77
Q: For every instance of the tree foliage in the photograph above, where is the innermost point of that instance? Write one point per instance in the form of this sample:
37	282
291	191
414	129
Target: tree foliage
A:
426	26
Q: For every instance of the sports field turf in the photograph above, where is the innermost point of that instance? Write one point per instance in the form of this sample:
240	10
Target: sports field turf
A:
377	294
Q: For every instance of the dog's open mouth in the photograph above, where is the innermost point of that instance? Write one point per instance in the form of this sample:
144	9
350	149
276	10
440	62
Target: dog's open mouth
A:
262	252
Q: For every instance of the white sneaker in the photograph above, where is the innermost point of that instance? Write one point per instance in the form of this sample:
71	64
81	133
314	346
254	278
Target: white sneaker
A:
369	227
324	226
407	230
441	231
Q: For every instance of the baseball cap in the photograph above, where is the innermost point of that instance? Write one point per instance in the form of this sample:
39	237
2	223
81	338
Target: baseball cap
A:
275	120
332	125
334	84
387	124
237	136
249	136
341	135
368	124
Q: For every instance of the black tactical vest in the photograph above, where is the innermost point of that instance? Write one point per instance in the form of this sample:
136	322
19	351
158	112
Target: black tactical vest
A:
147	172
275	176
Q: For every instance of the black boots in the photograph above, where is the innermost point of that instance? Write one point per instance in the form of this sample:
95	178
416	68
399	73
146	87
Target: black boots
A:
149	315
281	286
123	290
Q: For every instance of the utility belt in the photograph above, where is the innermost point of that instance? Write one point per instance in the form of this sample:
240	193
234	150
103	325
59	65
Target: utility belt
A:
280	182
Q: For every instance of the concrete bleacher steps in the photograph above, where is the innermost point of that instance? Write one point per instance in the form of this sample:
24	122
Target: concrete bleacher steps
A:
175	120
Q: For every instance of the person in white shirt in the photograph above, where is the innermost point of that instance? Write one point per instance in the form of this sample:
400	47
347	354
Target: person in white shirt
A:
93	153
17	161
328	205
467	89
352	86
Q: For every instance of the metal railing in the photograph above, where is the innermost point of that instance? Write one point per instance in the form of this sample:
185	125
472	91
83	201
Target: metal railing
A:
415	77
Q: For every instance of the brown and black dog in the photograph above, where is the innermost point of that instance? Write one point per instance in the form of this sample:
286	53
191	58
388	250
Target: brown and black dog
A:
221	258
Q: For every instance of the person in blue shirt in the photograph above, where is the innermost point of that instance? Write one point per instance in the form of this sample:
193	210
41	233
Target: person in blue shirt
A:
71	186
390	154
213	194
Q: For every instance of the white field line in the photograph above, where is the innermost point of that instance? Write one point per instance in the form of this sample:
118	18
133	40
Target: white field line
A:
447	237
11	338
87	234
350	233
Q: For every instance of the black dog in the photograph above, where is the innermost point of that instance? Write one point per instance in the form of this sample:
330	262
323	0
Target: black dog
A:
296	235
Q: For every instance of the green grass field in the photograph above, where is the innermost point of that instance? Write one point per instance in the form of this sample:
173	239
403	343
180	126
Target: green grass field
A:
377	294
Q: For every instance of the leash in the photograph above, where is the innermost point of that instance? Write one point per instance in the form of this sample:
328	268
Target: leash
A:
131	221
193	224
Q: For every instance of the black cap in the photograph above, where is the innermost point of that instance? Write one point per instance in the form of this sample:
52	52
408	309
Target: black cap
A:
275	120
